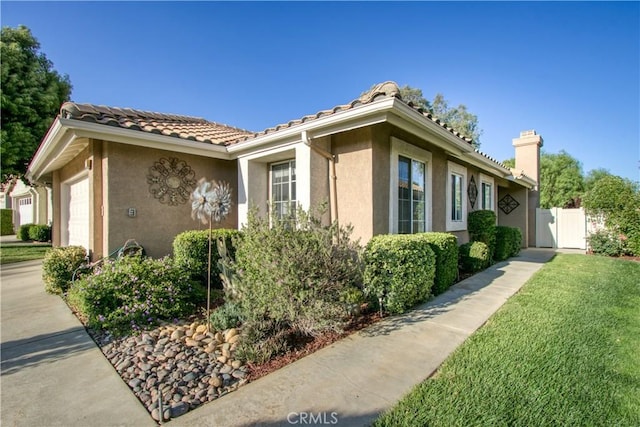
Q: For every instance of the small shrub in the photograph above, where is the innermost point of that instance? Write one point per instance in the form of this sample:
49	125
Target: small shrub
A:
482	228
474	257
133	292
191	249
228	315
263	340
508	242
40	233
445	248
399	271
23	232
58	267
605	242
6	222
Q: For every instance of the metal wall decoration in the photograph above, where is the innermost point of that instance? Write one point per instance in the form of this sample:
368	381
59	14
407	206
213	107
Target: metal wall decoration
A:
472	192
508	204
171	181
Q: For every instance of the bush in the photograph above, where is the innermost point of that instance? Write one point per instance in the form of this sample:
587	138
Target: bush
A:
23	232
445	248
228	315
296	275
40	233
399	271
482	228
474	257
605	242
59	265
6	222
133	292
191	249
508	242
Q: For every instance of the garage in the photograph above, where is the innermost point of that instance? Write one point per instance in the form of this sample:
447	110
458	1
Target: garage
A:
25	210
76	221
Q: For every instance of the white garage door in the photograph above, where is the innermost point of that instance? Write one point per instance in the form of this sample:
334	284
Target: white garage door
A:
25	209
78	213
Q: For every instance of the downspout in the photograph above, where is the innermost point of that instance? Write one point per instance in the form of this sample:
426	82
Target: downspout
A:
333	197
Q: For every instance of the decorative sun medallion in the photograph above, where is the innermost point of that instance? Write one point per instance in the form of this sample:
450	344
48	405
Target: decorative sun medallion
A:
508	204
171	181
472	191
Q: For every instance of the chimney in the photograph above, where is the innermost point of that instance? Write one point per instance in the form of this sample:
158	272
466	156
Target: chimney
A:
528	160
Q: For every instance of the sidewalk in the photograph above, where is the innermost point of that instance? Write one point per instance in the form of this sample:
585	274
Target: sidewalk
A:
355	379
52	373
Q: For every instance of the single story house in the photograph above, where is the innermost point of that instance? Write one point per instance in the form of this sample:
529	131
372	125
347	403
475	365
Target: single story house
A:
31	204
380	163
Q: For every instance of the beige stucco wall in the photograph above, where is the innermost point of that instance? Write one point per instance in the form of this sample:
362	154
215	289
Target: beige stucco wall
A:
320	176
155	224
517	217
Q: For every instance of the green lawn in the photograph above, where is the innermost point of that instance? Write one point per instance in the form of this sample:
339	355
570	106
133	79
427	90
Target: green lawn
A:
23	252
564	351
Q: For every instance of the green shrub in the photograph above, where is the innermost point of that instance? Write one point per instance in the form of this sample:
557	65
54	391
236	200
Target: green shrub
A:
508	242
399	270
445	247
228	315
40	233
133	292
6	222
23	232
474	257
482	228
59	265
295	276
605	242
191	249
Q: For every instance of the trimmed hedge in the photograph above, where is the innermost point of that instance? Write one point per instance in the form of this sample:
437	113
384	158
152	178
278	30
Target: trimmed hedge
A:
191	249
474	256
40	233
508	242
6	222
23	232
445	248
482	228
58	267
399	271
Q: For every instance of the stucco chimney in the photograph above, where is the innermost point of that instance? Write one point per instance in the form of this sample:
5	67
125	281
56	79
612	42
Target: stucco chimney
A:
528	160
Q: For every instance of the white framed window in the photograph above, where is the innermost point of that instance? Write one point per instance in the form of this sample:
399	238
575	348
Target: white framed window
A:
410	188
283	189
456	197
487	188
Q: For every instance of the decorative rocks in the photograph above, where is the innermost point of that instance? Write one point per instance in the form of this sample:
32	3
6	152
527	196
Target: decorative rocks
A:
186	364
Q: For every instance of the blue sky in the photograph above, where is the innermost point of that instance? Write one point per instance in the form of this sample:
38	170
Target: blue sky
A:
569	70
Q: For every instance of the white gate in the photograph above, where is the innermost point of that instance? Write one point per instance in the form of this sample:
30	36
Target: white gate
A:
561	228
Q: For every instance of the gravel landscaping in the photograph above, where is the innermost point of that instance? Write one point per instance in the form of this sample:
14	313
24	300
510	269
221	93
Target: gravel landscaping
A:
175	368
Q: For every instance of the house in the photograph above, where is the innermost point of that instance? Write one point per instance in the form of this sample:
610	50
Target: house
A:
31	204
382	165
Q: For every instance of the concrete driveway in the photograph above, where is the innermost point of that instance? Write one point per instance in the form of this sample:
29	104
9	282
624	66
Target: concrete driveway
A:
52	373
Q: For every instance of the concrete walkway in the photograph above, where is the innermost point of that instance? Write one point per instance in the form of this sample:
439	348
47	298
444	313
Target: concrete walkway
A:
53	373
355	379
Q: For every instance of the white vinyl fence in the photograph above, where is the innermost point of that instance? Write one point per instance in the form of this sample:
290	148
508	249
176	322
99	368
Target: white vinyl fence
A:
561	228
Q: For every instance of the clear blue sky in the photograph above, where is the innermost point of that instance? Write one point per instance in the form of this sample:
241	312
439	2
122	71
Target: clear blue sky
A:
569	70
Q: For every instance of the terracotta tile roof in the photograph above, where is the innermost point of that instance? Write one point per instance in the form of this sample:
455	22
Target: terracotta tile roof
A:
185	127
380	91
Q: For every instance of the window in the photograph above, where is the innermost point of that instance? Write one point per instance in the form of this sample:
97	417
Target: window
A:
283	188
409	188
411	196
456	197
486	188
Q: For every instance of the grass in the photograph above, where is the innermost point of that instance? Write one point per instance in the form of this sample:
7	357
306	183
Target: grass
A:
564	351
23	252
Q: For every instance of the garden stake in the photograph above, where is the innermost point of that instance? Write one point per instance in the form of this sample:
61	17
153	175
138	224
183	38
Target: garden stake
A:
160	411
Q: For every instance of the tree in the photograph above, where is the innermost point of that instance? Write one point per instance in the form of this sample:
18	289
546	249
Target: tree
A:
31	95
593	177
414	95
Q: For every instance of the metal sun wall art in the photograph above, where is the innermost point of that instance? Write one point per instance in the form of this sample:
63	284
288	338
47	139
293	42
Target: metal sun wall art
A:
508	204
472	192
171	181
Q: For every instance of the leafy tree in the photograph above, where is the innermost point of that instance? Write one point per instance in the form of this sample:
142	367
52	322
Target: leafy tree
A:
594	176
31	94
414	95
510	163
617	200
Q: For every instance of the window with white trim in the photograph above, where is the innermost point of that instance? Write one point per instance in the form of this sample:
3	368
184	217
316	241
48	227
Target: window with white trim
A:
486	192
283	189
410	188
456	197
